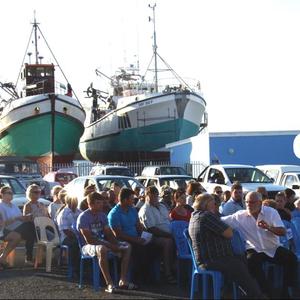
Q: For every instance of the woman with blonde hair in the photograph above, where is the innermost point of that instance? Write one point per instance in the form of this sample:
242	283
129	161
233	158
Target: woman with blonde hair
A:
57	203
32	206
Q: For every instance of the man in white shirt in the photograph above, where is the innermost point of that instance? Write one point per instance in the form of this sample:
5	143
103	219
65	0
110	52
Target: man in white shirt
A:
155	218
261	227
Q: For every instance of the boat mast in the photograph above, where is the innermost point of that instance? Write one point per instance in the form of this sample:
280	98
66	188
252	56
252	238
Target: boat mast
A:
35	26
154	47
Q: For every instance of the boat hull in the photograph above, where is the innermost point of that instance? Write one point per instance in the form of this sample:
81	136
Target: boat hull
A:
138	130
45	128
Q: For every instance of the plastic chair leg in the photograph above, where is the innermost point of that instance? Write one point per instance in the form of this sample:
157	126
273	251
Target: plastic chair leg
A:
80	274
96	275
38	256
49	251
194	277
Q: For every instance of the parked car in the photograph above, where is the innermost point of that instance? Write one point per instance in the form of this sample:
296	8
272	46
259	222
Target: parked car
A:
162	170
59	177
249	176
102	182
286	175
173	181
19	192
111	170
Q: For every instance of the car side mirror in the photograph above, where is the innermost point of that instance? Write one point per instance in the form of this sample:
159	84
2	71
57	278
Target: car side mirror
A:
200	179
295	187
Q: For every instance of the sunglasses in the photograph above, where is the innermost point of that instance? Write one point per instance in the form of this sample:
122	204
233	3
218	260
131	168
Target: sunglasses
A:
36	192
8	193
219	192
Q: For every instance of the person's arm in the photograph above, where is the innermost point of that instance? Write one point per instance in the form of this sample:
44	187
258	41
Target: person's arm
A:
120	235
216	225
228	233
69	233
139	227
160	233
92	240
27	209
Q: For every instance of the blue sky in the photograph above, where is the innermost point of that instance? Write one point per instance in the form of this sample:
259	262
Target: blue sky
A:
246	53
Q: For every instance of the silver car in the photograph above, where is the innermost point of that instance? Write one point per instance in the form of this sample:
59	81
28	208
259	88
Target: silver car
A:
102	182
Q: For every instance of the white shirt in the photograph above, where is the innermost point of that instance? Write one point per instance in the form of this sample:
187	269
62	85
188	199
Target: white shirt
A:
65	219
53	208
10	211
151	216
257	238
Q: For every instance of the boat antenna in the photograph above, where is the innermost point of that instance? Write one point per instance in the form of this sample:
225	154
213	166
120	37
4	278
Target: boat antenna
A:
154	46
35	27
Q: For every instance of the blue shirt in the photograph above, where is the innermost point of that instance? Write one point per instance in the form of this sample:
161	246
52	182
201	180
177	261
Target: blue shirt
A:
92	222
125	220
230	207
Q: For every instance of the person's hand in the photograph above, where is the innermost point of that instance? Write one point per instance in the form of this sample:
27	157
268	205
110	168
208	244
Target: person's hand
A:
27	218
263	224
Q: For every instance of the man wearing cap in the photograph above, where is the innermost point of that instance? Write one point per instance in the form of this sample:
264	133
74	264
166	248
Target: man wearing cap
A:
166	196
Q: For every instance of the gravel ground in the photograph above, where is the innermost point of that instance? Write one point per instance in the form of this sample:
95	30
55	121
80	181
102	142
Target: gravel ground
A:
28	283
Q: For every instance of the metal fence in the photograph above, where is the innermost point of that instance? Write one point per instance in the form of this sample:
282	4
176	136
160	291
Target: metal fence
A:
82	168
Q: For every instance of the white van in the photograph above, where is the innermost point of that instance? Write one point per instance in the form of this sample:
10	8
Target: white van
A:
286	175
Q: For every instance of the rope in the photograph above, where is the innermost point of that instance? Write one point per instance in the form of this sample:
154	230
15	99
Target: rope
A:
24	57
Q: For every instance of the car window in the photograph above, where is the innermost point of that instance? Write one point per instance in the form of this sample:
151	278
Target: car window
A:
118	171
247	175
172	171
272	174
216	176
152	182
290	180
130	183
15	185
175	183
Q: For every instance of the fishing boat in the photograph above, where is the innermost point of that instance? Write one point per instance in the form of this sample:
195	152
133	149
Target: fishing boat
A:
43	121
137	118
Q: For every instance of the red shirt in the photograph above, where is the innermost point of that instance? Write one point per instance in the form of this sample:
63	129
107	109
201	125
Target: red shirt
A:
176	217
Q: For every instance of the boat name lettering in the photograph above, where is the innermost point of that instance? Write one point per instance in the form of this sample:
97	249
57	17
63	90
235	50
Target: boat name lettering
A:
145	103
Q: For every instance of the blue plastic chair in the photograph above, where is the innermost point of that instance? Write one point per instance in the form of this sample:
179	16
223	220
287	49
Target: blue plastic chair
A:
65	249
277	270
216	276
95	264
182	247
238	243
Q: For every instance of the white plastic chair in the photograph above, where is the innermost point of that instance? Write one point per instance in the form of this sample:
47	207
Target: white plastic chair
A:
41	225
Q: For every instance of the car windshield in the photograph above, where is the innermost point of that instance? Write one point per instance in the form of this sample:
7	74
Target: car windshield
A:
175	183
19	168
247	175
130	183
14	184
118	171
172	170
65	177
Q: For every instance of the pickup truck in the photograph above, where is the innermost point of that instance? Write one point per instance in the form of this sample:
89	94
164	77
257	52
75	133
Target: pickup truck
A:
249	176
286	175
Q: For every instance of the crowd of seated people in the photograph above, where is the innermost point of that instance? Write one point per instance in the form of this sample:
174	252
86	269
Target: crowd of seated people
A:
136	227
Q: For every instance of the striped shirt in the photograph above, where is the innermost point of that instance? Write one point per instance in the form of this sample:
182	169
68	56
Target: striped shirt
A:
206	231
